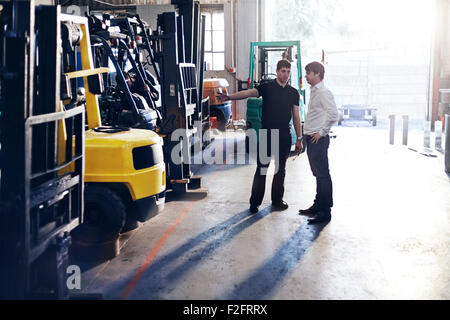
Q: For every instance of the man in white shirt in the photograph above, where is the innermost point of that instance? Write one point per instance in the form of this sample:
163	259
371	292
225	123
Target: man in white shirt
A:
322	114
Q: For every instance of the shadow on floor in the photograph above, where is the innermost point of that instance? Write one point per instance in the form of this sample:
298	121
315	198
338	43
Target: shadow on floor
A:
163	275
262	282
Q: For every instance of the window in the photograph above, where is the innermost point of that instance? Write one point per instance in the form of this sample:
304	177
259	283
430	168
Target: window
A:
214	37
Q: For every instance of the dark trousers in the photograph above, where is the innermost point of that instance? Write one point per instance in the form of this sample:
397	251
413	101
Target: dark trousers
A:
318	160
259	180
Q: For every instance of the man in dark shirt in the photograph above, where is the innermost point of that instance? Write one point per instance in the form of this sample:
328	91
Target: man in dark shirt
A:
280	103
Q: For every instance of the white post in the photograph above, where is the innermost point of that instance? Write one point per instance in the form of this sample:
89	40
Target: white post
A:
405	130
447	143
391	128
426	134
438	135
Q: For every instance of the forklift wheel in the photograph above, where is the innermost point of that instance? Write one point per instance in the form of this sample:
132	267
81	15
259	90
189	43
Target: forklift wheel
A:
90	243
104	208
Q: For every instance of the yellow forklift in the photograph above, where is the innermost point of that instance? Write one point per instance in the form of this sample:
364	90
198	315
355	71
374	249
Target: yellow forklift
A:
124	170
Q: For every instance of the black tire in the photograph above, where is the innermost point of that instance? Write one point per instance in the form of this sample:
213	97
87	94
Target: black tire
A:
131	224
374	121
104	208
90	243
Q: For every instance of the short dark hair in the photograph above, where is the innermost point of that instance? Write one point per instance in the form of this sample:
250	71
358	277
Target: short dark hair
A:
283	64
316	67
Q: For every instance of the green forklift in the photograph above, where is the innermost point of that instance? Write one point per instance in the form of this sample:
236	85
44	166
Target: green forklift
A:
262	67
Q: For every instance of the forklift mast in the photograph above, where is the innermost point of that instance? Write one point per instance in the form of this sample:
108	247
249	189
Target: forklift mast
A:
177	46
259	64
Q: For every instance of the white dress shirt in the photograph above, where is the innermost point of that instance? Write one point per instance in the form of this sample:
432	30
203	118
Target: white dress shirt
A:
322	111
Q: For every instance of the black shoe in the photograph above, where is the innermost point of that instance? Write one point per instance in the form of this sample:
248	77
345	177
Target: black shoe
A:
321	217
280	205
253	209
310	211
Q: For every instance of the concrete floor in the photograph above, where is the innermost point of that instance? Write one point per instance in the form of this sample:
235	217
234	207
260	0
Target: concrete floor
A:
389	237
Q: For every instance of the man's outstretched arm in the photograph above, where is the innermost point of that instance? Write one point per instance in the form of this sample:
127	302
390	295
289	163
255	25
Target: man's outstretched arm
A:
238	95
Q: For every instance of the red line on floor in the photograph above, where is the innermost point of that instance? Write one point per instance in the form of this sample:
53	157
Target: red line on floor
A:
152	254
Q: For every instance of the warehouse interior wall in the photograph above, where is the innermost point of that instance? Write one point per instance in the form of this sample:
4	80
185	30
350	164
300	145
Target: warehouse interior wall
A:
150	13
247	30
439	103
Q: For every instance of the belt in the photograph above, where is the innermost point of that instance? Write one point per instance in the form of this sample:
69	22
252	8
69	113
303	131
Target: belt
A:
312	134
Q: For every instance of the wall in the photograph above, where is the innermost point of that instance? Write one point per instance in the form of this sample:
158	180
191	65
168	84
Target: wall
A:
440	64
247	30
439	74
150	13
380	78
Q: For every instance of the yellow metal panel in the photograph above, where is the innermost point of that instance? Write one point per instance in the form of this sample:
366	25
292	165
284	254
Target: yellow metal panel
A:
148	182
92	107
141	184
109	158
85	73
133	137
